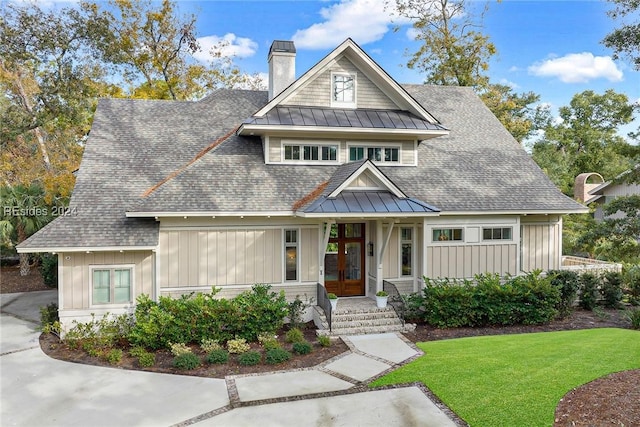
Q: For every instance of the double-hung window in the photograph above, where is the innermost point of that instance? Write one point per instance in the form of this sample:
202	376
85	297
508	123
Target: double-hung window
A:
291	255
112	284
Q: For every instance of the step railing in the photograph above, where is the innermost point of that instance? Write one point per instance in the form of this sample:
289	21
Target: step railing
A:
395	299
323	302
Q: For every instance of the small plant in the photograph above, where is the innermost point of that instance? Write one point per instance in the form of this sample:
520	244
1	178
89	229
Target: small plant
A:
382	294
324	341
178	349
249	358
218	356
634	317
332	296
588	291
601	314
49	315
90	348
52	328
114	356
269	342
186	361
302	347
294	335
209	345
238	346
277	355
145	358
612	289
296	310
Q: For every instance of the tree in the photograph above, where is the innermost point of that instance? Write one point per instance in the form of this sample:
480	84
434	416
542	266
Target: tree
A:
586	139
625	40
23	213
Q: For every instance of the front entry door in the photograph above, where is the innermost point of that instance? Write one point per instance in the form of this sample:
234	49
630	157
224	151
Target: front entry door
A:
344	260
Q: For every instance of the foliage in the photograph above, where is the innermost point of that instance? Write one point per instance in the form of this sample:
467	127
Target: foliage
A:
218	356
186	361
238	345
382	294
49	314
568	283
302	347
503	380
634	318
145	358
331	295
259	310
113	356
624	40
297	308
49	269
249	358
98	334
529	299
611	289
209	345
324	341
178	349
277	355
589	290
632	284
294	335
513	110
268	341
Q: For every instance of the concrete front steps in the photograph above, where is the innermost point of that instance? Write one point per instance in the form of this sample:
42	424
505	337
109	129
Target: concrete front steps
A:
359	321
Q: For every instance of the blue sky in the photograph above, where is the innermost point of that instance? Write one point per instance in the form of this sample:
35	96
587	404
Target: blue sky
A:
552	48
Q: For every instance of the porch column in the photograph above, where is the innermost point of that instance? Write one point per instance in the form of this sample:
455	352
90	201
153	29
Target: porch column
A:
425	246
324	241
382	248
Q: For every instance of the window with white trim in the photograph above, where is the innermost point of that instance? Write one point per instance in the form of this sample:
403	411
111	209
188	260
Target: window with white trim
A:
291	255
445	234
406	251
375	154
497	233
343	89
111	285
310	152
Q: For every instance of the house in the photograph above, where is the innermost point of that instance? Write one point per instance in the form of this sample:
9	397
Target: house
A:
341	177
592	188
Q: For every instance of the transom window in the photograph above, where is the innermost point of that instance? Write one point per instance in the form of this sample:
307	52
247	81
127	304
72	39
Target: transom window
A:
317	153
497	233
111	285
444	234
375	154
343	89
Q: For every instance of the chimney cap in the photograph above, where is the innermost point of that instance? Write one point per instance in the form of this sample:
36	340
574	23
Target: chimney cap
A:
282	46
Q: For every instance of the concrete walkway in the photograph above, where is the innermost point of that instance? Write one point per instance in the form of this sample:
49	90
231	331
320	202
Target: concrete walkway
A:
37	390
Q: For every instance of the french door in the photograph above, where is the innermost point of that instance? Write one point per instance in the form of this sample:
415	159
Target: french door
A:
344	260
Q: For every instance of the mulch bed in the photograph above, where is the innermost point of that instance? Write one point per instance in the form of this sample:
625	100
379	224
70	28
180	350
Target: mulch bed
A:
11	281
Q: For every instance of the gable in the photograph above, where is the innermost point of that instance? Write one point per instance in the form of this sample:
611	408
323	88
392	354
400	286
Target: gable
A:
366	180
316	92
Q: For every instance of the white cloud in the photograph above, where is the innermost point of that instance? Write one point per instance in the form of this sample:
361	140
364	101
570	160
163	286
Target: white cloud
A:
578	68
228	46
365	21
509	83
412	34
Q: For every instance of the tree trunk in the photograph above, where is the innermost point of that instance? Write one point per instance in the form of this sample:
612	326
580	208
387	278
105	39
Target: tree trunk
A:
25	268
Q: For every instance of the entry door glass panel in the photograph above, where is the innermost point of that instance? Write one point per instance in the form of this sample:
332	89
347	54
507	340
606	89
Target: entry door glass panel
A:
353	261
331	266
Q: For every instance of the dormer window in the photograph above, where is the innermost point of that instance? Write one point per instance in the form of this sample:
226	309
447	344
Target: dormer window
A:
343	90
309	152
375	154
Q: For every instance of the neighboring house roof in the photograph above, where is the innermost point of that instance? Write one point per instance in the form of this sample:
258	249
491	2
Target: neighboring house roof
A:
600	190
168	158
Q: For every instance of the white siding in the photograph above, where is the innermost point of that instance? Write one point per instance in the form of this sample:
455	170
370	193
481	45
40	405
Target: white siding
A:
541	246
465	261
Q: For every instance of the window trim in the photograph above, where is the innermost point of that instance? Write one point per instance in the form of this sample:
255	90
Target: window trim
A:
413	253
462	233
382	145
302	144
501	239
344	104
112	268
285	246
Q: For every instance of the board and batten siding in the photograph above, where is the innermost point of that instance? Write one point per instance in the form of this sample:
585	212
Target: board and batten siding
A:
75	275
541	246
465	261
227	257
317	93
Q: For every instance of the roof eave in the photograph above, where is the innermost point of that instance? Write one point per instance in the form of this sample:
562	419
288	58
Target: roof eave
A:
58	249
365	215
522	212
205	214
262	130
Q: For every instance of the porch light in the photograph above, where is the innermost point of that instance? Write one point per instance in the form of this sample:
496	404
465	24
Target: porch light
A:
370	248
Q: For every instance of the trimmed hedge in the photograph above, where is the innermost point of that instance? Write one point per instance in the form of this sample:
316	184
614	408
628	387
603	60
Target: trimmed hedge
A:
528	300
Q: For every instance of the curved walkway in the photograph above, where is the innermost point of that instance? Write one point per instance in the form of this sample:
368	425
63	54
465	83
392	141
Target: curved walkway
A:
37	390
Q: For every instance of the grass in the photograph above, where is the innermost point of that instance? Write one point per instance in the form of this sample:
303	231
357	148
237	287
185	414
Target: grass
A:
517	380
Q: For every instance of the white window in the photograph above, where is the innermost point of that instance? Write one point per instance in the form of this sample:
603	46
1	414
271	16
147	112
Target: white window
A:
406	251
291	255
343	90
310	152
111	285
375	154
445	234
497	233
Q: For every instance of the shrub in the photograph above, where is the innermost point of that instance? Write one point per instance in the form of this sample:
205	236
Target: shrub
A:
103	333
136	351
589	291
632	284
277	355
49	315
49	269
259	310
219	355
186	361
178	349
634	317
237	346
611	289
249	358
294	335
568	283
209	345
114	356
296	311
146	359
324	341
271	343
302	347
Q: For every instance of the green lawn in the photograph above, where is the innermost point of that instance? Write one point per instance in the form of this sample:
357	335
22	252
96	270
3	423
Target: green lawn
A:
517	380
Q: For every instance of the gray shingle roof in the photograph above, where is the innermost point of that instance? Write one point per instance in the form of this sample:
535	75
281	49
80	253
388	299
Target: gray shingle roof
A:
136	144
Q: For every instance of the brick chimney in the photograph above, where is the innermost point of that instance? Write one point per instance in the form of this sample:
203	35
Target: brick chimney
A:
583	184
282	66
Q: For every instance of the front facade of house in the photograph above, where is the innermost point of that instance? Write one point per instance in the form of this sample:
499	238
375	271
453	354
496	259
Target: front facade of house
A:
340	177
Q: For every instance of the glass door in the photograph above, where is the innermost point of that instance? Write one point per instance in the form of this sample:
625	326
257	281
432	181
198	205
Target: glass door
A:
344	260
